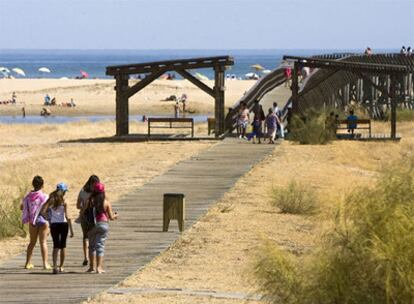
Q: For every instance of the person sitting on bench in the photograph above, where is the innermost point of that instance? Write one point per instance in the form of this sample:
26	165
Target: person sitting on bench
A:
352	122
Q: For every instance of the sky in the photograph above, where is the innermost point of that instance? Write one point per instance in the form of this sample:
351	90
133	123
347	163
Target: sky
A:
206	24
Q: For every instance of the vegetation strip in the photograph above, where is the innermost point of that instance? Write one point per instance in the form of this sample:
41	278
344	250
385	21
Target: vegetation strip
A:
187	292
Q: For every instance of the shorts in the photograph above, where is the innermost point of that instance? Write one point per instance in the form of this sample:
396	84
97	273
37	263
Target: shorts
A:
84	228
59	233
243	124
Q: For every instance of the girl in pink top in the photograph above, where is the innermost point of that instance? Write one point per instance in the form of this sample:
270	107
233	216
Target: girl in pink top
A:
98	235
38	227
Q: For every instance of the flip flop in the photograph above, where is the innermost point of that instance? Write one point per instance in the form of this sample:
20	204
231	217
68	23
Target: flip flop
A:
29	266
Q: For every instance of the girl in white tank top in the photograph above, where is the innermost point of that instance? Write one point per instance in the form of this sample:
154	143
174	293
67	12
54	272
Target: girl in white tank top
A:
60	224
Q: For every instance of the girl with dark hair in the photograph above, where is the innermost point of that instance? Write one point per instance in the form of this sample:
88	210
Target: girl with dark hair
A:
38	227
81	204
97	236
60	224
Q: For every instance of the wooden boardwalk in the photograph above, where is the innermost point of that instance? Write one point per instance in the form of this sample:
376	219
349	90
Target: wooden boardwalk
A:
136	237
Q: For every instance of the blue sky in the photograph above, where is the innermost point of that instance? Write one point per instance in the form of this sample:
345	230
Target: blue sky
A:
206	24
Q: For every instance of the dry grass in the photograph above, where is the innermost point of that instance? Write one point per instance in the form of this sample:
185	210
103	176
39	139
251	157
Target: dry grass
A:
296	198
216	253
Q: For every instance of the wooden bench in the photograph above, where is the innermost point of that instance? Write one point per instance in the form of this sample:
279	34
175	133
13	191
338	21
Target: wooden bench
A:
361	124
170	124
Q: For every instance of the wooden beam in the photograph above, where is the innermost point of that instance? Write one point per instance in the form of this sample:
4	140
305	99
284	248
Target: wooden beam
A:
295	88
393	106
169	65
196	82
219	100
306	89
122	106
369	80
143	83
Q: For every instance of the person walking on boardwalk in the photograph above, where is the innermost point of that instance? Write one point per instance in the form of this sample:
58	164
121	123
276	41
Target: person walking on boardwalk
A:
38	227
81	204
243	120
60	224
271	125
258	119
101	212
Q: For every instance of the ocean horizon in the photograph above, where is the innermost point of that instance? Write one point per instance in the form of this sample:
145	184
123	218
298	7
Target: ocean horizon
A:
69	62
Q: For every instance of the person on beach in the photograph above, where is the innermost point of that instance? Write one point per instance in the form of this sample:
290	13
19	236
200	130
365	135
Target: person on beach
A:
38	227
14	98
271	125
47	100
176	109
81	204
288	75
97	236
351	121
259	117
243	120
60	224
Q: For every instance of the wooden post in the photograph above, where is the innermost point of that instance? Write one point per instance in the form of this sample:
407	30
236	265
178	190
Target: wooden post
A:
295	88
122	106
393	106
219	99
173	208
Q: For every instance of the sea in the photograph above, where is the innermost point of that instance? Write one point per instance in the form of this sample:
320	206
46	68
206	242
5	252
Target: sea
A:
69	63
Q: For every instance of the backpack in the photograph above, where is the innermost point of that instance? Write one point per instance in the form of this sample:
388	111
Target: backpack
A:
89	216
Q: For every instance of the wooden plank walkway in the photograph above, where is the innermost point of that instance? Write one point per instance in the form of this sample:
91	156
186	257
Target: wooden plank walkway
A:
137	236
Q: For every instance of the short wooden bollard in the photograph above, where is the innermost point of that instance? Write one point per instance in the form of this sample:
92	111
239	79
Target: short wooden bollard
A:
174	208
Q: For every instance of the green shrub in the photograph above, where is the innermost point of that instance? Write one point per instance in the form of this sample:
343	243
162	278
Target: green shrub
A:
311	129
276	274
296	198
11	215
368	256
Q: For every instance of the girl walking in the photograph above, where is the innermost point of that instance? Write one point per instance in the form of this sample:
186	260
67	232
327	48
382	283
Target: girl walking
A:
102	212
60	224
259	117
81	204
38	227
272	122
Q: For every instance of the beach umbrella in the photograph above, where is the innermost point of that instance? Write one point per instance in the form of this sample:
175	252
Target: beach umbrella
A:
84	74
266	71
19	71
257	67
4	70
44	70
201	77
252	76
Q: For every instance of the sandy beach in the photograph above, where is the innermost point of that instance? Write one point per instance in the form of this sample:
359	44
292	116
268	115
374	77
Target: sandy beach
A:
97	96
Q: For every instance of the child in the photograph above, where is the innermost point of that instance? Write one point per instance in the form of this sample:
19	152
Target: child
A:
271	124
257	123
60	223
97	236
243	120
81	204
38	228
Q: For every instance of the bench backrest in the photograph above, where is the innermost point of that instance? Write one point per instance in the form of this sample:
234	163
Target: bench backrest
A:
170	119
358	121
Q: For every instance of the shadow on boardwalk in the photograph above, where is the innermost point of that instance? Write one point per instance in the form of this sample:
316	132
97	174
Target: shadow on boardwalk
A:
136	237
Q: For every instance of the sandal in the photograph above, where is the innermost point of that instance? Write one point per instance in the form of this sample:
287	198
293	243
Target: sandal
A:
29	266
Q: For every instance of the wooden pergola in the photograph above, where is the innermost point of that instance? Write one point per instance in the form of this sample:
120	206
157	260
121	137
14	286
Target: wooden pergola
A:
154	70
358	69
